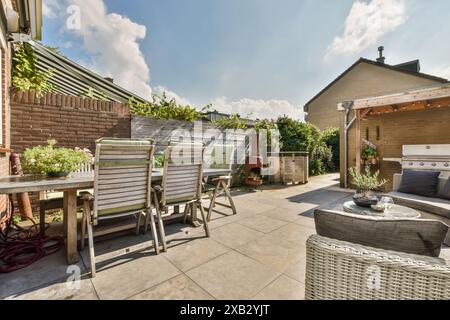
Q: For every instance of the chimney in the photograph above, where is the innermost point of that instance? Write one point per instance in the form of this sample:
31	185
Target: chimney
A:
381	58
109	79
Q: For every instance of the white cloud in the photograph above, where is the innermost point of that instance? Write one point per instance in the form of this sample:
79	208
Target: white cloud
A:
50	8
112	41
366	23
258	108
171	95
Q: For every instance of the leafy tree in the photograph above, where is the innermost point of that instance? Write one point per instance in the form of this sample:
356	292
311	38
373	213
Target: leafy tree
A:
301	136
25	74
296	135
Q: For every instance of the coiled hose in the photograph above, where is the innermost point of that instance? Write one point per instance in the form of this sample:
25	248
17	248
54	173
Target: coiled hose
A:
21	247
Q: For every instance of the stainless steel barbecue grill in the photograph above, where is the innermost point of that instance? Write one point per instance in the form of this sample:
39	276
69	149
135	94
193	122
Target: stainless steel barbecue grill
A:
434	157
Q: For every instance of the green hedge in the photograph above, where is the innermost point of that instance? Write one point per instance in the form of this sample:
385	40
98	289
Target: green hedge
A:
331	138
323	146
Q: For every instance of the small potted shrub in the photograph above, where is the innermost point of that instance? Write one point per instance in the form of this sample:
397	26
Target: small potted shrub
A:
158	160
365	184
53	162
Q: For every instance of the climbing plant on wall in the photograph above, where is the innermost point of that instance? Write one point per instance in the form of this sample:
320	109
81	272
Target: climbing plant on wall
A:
25	74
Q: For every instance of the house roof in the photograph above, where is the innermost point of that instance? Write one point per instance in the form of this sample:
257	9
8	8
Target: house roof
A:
71	78
398	68
413	66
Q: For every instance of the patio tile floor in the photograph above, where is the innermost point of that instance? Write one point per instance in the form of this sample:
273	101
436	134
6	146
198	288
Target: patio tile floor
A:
233	276
257	254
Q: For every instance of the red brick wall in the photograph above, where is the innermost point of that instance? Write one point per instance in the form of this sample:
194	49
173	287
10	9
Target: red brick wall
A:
72	121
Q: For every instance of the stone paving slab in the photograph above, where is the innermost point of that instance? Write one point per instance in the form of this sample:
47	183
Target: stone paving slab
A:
233	276
283	288
177	288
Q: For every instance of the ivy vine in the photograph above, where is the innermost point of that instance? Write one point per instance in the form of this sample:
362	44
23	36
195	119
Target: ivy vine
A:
25	74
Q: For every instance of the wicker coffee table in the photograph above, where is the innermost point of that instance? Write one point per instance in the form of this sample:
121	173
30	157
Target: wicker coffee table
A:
395	211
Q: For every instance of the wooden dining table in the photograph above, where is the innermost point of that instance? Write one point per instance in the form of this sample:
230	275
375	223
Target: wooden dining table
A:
69	186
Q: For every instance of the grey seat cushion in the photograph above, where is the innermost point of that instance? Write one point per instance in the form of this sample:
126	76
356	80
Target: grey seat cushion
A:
422	183
437	206
423	237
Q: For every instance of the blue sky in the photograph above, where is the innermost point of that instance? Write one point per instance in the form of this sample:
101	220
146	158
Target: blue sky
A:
264	57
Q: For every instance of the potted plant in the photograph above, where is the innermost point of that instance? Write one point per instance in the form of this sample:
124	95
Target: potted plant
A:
365	184
158	161
369	153
53	162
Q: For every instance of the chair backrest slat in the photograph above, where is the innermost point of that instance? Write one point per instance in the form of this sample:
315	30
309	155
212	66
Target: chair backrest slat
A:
122	175
183	165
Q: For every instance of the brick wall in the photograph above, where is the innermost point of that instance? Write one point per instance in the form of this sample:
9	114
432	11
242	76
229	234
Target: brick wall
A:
72	121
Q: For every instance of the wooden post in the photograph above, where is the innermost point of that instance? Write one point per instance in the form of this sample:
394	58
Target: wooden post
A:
23	200
358	140
70	224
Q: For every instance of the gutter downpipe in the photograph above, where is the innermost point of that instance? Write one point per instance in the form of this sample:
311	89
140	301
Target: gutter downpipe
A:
348	105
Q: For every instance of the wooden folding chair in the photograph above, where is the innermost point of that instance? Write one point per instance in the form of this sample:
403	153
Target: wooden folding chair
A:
221	158
182	181
122	187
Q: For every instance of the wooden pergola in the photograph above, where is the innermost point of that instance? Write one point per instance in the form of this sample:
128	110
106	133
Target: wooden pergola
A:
420	99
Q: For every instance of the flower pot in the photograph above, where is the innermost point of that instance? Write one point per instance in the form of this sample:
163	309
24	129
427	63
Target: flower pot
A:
58	174
365	200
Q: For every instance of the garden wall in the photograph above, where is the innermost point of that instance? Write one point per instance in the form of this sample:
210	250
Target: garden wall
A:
162	131
72	121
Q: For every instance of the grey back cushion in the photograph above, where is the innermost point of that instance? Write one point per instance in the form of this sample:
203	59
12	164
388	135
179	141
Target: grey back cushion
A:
423	237
421	183
444	191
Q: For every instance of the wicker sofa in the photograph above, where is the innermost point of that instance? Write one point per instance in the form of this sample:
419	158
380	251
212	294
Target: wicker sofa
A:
338	270
432	208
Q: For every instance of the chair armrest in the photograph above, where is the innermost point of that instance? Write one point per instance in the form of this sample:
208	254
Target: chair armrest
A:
342	270
86	196
221	178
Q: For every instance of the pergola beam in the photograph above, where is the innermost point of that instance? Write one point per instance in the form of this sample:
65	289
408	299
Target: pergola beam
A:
418	105
408	97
